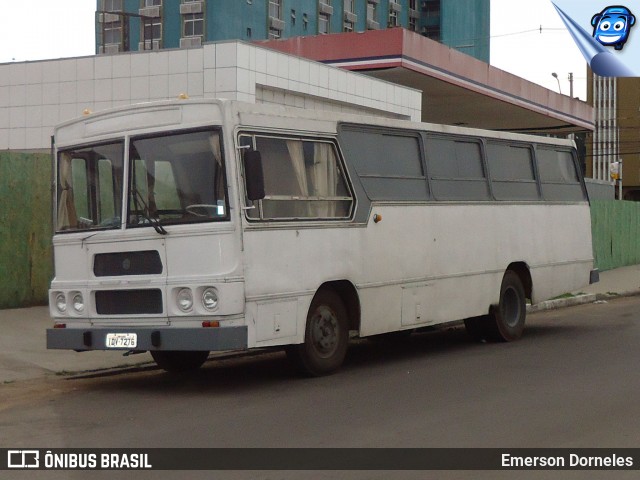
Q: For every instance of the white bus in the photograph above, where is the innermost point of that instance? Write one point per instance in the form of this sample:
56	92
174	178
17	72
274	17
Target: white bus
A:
185	227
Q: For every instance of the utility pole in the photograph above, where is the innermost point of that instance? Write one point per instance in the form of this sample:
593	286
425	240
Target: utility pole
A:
571	84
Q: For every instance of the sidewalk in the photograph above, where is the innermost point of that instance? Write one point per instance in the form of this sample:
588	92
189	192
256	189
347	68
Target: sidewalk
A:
23	353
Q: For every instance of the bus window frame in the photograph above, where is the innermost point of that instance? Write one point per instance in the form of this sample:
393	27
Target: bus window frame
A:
252	133
130	145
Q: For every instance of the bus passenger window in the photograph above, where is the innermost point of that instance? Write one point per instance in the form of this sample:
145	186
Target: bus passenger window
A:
302	179
456	169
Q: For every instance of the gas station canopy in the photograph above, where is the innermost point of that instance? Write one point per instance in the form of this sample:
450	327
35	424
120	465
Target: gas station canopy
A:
456	89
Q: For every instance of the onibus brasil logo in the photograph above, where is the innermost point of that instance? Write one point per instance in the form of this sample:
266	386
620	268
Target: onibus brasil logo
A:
611	27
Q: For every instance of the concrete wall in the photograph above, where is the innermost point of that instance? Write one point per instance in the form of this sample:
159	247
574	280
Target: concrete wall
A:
36	96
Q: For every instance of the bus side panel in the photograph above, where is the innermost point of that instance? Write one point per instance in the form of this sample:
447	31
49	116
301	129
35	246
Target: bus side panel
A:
420	265
564	233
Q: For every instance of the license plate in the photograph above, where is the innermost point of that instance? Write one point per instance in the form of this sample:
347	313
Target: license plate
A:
122	340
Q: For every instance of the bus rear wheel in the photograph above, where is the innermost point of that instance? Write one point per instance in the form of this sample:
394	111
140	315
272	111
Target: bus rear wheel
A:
505	321
179	361
326	336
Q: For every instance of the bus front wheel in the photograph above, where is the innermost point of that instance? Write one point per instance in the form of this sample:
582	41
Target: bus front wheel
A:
179	361
326	336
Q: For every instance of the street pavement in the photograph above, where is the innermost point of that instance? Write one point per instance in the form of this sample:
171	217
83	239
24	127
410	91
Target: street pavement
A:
23	353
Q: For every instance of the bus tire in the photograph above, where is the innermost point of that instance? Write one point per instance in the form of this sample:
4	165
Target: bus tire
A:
326	336
478	328
179	361
508	317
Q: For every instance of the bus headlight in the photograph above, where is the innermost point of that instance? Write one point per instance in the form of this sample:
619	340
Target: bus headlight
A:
185	300
210	298
61	302
78	302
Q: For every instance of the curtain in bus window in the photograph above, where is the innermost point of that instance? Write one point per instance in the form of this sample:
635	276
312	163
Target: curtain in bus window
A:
151	187
325	178
296	152
67	216
214	141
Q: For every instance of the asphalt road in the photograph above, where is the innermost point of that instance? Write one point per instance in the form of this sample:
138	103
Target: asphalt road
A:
571	381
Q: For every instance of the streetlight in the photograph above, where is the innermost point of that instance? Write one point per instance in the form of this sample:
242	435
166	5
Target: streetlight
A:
555	75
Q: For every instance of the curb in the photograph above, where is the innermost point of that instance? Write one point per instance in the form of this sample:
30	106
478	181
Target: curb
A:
562	303
579	300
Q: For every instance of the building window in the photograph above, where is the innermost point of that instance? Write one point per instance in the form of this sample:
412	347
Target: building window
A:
275	8
151	25
193	25
152	33
413	24
349	16
432	8
413	15
112	26
112	5
372	15
393	16
276	24
323	23
325	10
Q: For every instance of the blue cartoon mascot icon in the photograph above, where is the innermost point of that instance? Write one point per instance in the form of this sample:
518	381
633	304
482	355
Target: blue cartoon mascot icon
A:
611	27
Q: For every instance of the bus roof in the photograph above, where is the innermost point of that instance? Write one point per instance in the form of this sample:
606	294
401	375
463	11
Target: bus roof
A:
166	114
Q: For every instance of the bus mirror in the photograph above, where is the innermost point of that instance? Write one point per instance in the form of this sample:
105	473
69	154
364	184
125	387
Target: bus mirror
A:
254	176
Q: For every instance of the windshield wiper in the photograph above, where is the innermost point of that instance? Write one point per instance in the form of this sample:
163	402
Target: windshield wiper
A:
155	222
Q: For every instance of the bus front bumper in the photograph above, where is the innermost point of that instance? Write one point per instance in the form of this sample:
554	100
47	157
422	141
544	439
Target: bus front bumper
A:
148	338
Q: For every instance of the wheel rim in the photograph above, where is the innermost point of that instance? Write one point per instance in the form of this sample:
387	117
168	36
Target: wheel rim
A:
511	307
324	331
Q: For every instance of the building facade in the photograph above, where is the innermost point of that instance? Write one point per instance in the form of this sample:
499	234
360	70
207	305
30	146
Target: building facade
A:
132	25
616	137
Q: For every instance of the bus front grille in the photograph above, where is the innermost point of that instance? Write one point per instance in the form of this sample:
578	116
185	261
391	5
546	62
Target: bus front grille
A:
116	264
129	302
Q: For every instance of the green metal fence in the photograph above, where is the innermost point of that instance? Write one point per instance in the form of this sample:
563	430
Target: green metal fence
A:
25	228
615	227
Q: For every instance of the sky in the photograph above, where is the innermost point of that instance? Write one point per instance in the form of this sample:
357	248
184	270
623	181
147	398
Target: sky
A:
528	38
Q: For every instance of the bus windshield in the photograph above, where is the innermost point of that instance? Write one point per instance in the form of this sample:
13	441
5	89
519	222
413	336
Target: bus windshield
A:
89	189
175	178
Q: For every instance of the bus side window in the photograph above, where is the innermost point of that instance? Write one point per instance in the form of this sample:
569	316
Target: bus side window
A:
456	169
388	163
558	175
512	172
302	179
